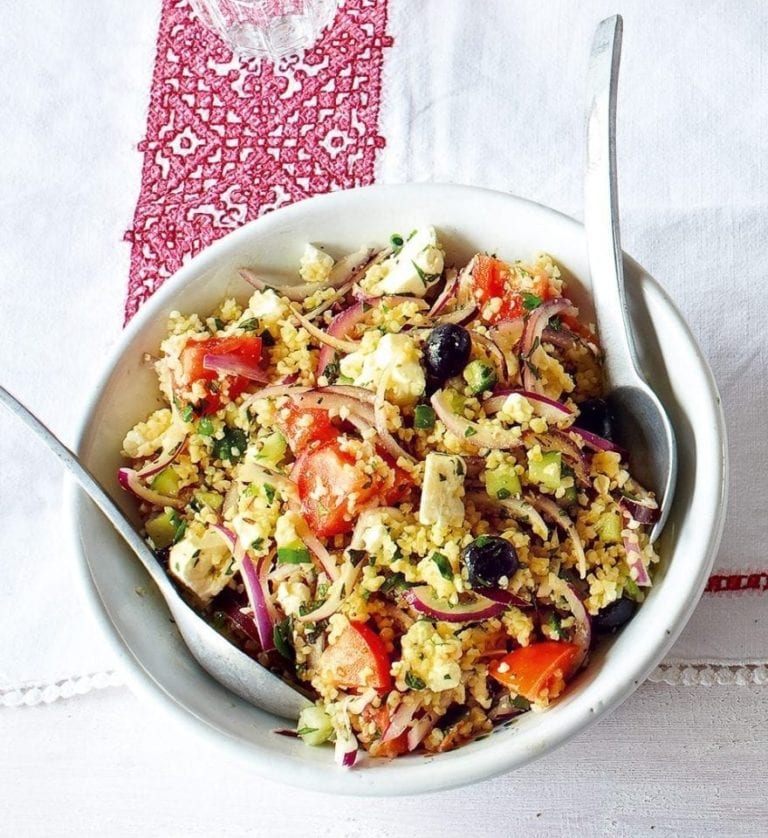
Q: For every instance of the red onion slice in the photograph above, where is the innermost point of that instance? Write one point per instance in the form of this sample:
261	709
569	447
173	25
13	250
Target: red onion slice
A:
419	730
551	510
531	339
347	269
518	508
129	480
423	600
556	440
162	462
400	719
487	346
339	328
324	337
448	292
549	409
634	557
230	364
258	597
565	339
460	316
506	598
472	433
582	633
595	442
639	503
229	537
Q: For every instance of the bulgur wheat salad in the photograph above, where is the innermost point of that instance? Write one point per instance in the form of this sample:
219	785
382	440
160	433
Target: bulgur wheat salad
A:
394	485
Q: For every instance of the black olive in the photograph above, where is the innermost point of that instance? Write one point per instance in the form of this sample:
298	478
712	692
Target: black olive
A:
446	351
488	559
595	416
614	616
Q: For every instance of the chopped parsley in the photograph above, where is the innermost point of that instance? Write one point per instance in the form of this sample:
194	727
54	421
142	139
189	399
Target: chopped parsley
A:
443	565
269	492
356	556
250	325
426	278
394	582
470	431
231	446
413	682
530	301
282	637
205	427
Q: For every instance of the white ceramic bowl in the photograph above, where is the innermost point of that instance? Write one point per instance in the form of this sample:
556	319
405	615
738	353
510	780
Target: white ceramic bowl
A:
153	656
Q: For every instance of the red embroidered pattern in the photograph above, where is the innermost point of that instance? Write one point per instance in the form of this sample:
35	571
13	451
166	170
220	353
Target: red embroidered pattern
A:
227	141
720	583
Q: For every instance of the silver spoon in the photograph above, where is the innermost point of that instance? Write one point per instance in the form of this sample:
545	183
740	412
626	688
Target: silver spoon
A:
225	662
642	424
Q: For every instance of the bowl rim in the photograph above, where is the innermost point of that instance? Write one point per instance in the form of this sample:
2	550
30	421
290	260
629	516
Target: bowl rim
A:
434	776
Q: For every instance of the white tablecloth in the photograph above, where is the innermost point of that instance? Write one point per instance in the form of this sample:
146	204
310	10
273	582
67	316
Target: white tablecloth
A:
490	94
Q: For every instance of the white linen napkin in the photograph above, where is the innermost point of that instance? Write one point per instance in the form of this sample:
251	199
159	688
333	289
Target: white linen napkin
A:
489	94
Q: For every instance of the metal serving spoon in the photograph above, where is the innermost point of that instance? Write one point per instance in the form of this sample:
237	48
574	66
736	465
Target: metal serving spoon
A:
225	662
642	424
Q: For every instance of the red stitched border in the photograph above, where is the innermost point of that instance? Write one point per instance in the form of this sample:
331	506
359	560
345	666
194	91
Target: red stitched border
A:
732	583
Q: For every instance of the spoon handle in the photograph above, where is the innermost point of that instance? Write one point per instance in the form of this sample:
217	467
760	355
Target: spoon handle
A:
601	205
89	483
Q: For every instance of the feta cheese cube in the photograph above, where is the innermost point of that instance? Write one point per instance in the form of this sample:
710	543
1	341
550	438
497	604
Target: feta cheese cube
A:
315	265
395	356
420	258
202	563
442	490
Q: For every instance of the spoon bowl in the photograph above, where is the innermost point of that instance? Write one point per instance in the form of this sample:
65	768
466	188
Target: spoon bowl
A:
642	425
220	658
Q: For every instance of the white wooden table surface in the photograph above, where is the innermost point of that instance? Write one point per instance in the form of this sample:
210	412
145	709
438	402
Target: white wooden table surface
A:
673	760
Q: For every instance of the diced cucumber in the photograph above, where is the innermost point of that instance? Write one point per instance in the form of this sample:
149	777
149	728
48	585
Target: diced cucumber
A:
455	400
631	588
609	527
274	448
166	482
480	376
423	417
503	482
314	725
293	554
547	470
212	499
164	528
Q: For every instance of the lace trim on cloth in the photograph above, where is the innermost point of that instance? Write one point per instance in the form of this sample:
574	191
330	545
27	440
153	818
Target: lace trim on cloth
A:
674	674
31	694
227	141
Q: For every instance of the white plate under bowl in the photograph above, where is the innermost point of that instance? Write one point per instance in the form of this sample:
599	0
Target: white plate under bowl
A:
153	656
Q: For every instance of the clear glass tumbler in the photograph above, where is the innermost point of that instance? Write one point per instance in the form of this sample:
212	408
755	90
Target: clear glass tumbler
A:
267	28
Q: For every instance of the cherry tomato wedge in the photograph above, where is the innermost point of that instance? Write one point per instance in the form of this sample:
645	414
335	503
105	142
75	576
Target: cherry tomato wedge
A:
536	671
334	488
491	278
357	660
302	426
246	348
494	279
